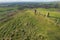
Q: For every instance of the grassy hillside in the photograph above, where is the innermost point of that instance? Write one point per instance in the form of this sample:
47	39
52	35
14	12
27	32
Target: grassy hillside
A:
25	25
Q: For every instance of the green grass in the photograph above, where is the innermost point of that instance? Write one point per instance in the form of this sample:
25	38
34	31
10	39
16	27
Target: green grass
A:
25	25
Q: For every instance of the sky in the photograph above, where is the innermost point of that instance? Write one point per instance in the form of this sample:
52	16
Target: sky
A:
27	0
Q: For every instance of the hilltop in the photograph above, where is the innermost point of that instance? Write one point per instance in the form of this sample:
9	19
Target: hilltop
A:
25	25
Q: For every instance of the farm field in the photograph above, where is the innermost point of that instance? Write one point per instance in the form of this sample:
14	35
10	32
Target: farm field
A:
26	25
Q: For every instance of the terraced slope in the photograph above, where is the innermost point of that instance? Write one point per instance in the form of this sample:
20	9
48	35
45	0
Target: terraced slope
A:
28	26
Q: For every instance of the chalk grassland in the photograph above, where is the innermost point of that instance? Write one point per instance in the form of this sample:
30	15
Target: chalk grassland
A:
26	25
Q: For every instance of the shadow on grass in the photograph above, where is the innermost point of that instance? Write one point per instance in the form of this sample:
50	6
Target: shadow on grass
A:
54	17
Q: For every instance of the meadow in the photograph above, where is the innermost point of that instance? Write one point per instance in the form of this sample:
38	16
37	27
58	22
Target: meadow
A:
26	25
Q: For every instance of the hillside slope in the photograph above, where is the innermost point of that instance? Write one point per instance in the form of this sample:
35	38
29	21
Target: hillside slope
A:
28	26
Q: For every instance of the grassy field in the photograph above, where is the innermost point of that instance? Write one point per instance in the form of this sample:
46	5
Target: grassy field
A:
26	25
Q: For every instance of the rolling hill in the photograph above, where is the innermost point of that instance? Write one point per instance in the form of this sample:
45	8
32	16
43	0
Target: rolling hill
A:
26	25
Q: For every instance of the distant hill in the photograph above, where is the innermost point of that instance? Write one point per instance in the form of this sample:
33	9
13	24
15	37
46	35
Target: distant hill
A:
32	4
